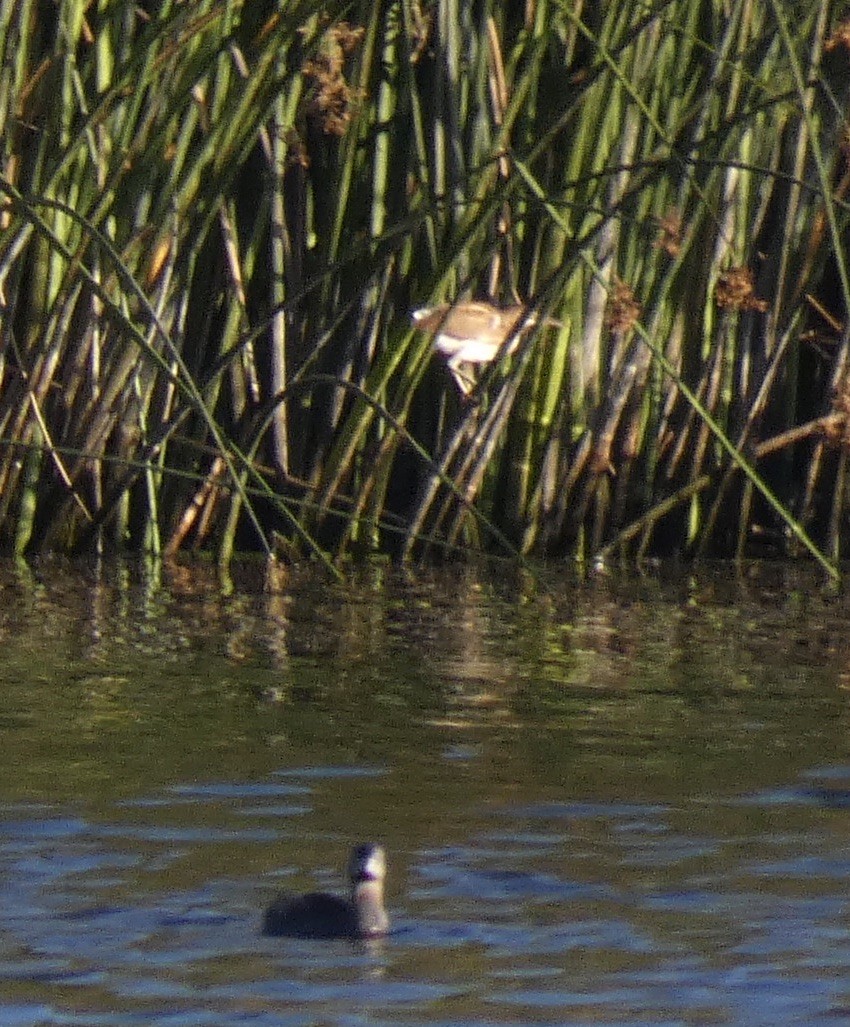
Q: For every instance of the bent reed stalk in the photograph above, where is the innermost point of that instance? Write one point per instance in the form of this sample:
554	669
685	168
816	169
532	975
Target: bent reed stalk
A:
217	220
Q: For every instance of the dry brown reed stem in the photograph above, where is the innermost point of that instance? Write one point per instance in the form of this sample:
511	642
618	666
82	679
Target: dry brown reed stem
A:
477	460
198	511
818	428
427	519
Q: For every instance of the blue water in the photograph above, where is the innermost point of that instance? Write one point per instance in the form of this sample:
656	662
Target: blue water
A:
617	809
546	913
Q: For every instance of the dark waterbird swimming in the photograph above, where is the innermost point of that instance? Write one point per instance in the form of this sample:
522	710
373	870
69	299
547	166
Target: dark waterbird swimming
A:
319	915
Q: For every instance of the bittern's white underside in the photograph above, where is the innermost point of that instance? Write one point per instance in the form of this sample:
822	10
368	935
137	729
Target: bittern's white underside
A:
473	332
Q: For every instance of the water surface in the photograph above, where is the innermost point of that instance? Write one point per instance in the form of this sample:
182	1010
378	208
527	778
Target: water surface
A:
617	802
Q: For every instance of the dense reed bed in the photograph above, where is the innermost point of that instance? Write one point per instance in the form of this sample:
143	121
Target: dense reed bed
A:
217	217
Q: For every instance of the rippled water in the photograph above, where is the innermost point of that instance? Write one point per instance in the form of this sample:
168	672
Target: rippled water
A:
621	803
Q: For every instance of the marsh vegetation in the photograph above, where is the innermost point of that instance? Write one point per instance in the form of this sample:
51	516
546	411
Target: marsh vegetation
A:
217	218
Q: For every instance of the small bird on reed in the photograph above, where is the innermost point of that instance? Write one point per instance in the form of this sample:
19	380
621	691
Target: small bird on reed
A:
474	332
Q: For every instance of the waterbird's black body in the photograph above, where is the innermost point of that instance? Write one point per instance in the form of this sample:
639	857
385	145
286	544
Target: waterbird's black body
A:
319	915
